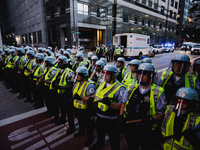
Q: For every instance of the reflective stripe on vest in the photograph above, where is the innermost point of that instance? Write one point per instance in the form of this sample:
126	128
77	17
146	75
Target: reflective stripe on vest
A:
118	51
29	66
190	80
63	81
38	72
20	64
155	93
81	91
106	92
168	130
48	75
10	65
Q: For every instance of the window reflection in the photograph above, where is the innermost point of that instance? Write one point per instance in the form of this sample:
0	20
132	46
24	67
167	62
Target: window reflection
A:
83	8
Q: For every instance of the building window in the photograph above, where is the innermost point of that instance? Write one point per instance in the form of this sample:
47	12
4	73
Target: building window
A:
136	20
154	25
23	39
53	31
162	9
143	22
83	9
172	28
62	9
30	38
144	2
150	3
160	26
149	23
174	15
125	18
172	3
169	28
51	13
34	37
26	38
39	36
101	12
163	0
176	5
171	12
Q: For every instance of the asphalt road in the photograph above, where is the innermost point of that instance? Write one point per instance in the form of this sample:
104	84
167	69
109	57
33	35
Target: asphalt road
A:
11	106
23	127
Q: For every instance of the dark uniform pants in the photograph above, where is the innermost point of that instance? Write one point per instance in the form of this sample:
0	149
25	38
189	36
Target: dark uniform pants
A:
38	94
49	100
108	126
139	135
66	108
86	121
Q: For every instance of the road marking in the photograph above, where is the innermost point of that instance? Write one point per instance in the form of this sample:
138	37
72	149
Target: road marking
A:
22	116
25	141
36	145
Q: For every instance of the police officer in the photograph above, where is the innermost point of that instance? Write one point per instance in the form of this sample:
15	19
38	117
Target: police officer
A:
49	73
40	50
28	69
93	64
63	84
7	58
87	61
79	61
18	83
131	76
181	121
121	69
38	95
196	68
99	51
117	53
48	52
171	81
145	101
10	68
149	60
71	56
104	60
70	61
61	51
108	96
82	90
98	75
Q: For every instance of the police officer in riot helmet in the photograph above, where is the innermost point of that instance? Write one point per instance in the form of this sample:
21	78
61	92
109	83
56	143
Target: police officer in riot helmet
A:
146	101
182	122
121	69
177	76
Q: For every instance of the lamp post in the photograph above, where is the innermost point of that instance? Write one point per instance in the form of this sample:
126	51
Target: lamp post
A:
114	12
166	21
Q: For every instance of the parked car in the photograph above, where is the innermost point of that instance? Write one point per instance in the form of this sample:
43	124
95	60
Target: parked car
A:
158	49
195	49
187	45
169	48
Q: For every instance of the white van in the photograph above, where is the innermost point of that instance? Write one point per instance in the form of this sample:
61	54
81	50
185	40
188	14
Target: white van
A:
134	44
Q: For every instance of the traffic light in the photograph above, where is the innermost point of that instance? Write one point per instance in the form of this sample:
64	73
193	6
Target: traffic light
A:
186	34
193	35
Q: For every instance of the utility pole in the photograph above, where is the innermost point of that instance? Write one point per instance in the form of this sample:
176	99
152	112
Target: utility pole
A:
114	12
1	43
166	22
74	34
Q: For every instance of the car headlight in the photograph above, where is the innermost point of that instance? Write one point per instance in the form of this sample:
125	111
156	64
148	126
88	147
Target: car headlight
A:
192	49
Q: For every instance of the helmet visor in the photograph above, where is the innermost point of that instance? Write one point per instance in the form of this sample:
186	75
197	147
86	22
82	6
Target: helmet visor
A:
181	105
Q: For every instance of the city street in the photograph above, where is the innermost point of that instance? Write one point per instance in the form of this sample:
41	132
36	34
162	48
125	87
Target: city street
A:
23	127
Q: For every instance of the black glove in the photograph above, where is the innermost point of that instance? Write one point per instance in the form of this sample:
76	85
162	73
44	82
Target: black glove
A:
148	121
190	135
120	119
89	101
76	96
106	101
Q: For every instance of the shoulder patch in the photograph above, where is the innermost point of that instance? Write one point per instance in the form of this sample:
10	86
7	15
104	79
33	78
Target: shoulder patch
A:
91	90
121	93
163	100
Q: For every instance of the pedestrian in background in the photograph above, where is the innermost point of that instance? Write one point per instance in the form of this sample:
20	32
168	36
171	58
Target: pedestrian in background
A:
109	53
